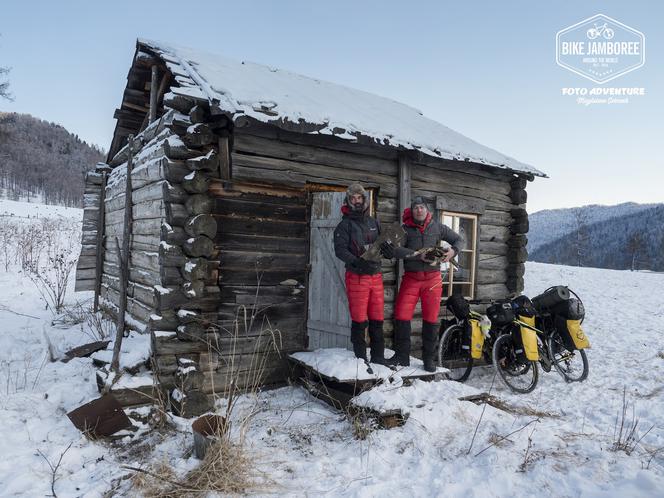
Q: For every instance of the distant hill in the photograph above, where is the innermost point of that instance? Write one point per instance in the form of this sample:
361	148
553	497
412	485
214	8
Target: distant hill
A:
551	224
634	239
43	160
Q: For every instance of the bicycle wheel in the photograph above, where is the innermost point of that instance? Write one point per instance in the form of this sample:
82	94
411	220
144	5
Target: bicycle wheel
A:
453	356
519	376
572	365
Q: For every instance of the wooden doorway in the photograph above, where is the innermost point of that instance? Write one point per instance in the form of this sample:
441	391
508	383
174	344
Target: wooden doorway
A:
328	322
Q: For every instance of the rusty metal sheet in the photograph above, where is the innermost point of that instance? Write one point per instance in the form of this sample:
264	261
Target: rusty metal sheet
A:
100	417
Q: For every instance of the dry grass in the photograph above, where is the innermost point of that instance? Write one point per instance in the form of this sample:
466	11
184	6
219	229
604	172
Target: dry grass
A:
228	469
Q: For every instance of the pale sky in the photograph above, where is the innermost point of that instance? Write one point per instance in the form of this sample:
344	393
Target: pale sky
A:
485	69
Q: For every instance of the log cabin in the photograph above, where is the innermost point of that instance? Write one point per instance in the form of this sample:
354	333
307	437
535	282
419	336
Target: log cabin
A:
237	172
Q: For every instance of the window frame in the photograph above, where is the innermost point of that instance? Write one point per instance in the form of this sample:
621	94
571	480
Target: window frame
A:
475	219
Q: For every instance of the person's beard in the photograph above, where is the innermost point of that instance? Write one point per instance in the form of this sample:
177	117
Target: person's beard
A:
358	208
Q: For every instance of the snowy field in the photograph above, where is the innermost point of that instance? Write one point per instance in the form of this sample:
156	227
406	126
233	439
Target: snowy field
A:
561	441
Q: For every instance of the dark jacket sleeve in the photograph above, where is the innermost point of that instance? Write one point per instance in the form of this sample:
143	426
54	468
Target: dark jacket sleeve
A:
401	252
452	238
342	243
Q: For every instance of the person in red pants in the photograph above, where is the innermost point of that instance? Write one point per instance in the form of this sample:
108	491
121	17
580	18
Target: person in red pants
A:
420	281
364	281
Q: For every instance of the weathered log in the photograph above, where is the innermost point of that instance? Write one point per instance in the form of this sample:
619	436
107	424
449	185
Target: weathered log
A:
248	242
517	255
191	332
159	169
493	291
515	284
368	161
199	114
486	276
518	196
174	234
260	209
198	135
176	214
169	298
199	204
179	102
519	240
208	162
517	270
520	227
195	183
153	131
224	158
163	190
171	255
518	213
193	289
198	246
518	183
196	269
266	228
202	224
175	149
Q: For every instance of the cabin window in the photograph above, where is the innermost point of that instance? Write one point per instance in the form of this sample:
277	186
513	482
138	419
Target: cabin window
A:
460	279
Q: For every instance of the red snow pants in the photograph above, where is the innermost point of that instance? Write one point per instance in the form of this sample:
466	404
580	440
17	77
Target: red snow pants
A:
424	285
365	296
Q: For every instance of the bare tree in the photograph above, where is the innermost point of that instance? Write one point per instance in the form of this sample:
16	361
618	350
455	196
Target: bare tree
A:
635	246
581	236
4	85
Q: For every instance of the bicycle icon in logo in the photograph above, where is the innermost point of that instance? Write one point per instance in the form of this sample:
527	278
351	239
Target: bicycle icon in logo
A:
604	31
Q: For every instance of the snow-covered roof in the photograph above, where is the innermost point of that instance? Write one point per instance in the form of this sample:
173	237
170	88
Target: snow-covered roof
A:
281	97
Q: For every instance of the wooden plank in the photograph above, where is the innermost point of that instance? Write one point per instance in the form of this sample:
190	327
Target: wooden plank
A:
314	154
262	208
257	226
293	173
460	204
224	159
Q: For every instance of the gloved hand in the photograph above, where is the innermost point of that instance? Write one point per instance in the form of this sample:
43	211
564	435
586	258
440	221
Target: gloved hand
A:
387	249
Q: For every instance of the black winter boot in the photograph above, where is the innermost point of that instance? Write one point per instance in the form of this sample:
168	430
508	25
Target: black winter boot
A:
357	339
429	333
401	344
377	342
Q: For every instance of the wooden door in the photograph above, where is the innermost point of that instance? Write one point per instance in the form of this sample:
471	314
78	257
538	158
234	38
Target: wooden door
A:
328	321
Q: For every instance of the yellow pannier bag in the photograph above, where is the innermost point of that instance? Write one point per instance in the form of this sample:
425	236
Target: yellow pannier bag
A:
476	339
576	332
529	338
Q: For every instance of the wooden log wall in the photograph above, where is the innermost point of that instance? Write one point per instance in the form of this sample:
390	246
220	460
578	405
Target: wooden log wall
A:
499	198
277	157
87	261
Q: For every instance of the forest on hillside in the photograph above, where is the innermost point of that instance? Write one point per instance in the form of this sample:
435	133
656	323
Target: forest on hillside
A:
43	160
631	241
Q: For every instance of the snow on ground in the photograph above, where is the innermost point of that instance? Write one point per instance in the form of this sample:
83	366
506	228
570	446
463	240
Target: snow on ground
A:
21	209
560	444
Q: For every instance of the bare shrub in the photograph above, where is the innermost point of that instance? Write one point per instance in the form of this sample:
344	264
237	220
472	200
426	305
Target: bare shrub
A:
52	279
625	432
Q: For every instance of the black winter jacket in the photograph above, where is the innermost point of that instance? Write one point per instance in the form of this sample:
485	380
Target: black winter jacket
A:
354	233
433	232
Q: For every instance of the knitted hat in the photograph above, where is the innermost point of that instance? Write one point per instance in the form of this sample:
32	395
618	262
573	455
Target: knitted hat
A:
418	201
